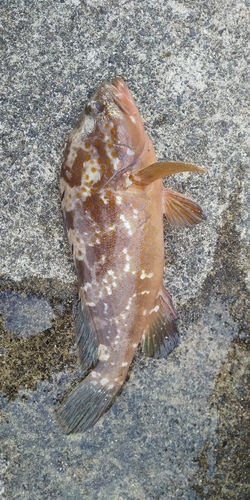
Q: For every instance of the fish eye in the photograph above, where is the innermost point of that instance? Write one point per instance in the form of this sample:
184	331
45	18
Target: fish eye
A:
93	108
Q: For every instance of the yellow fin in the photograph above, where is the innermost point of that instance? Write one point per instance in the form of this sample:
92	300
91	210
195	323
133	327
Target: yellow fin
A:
181	210
162	169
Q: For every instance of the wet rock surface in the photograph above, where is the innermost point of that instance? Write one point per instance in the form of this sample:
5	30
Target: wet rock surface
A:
180	427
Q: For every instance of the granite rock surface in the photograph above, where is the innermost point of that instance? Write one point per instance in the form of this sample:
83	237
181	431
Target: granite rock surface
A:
180	428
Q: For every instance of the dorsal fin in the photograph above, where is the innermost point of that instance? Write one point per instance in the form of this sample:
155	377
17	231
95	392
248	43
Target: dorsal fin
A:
162	169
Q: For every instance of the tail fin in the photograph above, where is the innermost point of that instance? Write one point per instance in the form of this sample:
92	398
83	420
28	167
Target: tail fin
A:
86	404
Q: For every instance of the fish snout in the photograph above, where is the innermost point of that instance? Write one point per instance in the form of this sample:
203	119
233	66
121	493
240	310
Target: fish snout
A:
123	97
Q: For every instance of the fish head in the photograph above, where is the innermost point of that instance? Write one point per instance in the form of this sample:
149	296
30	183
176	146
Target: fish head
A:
119	110
107	143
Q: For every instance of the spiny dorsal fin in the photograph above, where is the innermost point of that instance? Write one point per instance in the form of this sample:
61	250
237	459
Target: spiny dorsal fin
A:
162	335
162	169
180	210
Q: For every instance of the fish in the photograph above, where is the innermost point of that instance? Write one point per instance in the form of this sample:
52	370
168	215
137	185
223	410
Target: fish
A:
113	201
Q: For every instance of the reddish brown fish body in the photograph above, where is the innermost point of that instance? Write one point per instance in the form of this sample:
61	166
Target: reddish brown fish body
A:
114	221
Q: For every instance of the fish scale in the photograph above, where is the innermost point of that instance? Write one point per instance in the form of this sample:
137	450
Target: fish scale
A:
113	201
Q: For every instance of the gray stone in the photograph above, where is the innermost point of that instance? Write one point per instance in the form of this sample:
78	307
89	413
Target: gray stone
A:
180	428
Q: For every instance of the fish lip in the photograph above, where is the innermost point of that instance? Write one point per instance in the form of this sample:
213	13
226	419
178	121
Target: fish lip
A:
118	92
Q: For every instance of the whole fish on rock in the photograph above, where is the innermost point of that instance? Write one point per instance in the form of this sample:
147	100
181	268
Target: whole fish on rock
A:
113	201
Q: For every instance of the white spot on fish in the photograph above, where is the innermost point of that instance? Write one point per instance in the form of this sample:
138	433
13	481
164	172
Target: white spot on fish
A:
129	152
103	352
116	163
129	302
124	363
90	304
144	275
125	251
156	308
111	272
145	292
118	199
109	289
144	312
126	224
128	182
88	125
93	172
132	118
134	345
128	305
104	381
86	286
127	268
104	198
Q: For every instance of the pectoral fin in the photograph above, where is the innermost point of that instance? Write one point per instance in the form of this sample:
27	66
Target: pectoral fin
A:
181	210
161	336
162	169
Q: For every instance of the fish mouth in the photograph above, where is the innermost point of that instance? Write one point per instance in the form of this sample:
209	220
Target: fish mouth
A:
118	92
123	98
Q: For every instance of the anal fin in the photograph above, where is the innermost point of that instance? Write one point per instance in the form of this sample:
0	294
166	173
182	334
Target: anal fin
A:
161	336
86	338
180	210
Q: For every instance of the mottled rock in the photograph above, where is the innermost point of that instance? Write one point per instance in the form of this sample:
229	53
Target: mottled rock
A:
180	428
